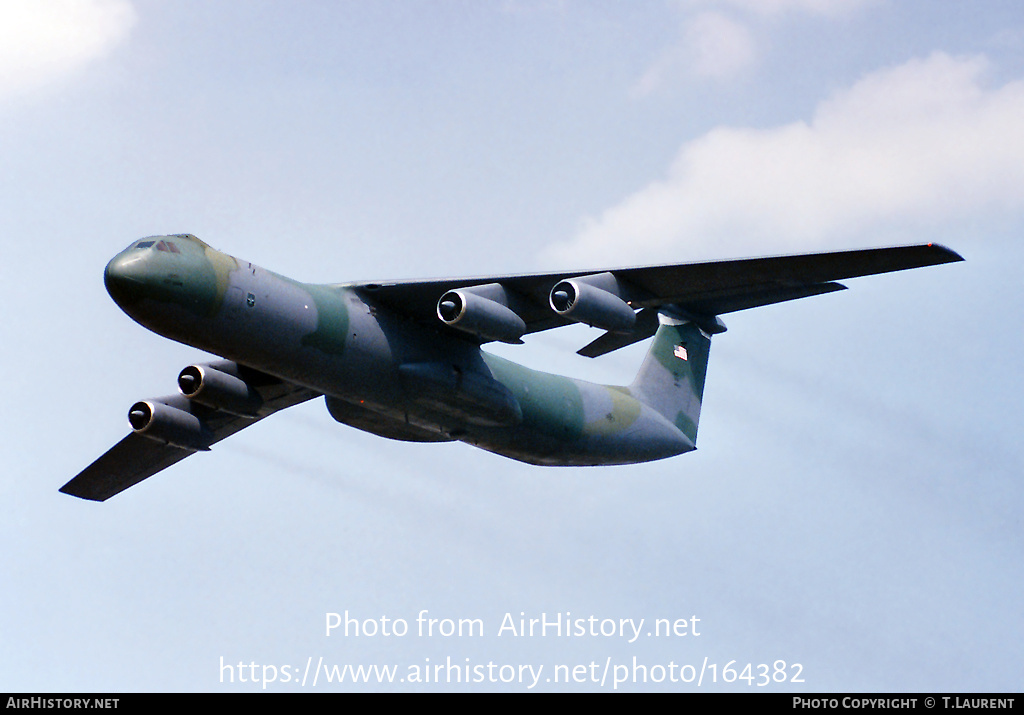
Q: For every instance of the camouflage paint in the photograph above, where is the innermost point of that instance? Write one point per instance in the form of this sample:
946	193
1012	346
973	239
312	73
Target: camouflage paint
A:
185	278
307	335
671	378
551	404
222	265
398	373
332	325
572	422
623	413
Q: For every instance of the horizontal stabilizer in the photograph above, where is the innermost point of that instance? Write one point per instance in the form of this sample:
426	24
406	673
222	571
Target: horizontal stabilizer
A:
646	326
730	302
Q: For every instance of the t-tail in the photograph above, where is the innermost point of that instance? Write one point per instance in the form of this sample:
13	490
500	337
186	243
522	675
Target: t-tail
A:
671	378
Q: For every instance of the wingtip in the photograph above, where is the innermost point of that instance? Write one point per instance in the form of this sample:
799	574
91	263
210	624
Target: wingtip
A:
72	492
948	255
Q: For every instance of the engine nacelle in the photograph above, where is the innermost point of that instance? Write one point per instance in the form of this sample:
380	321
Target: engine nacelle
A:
215	388
165	423
468	310
576	299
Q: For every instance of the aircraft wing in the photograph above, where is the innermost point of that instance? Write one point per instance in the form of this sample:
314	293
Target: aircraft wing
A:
137	457
700	290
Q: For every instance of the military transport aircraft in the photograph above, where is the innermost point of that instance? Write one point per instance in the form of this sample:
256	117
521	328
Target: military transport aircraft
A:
402	359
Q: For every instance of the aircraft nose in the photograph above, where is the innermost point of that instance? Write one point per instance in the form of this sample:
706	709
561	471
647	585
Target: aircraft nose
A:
125	277
158	275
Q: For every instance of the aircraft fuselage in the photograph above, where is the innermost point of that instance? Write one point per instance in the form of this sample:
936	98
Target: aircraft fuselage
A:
379	370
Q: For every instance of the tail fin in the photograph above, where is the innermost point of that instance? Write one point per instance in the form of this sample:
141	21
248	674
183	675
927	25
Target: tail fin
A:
671	378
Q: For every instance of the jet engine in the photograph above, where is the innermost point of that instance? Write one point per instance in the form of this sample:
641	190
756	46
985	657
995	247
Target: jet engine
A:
221	390
582	300
168	423
481	310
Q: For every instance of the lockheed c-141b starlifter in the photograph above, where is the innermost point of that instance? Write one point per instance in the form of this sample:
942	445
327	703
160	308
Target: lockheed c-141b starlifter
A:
403	359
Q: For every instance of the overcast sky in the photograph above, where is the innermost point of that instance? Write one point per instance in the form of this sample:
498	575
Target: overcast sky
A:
855	504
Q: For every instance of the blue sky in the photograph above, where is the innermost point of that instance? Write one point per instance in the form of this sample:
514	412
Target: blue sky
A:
854	505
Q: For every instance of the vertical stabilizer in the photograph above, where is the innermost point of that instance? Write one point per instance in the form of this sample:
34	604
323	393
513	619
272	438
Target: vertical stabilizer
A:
671	379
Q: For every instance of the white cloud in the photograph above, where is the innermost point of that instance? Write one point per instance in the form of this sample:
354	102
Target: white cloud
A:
720	47
534	7
911	147
718	40
44	40
832	8
712	46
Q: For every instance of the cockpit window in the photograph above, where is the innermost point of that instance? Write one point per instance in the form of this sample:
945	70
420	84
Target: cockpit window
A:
166	246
